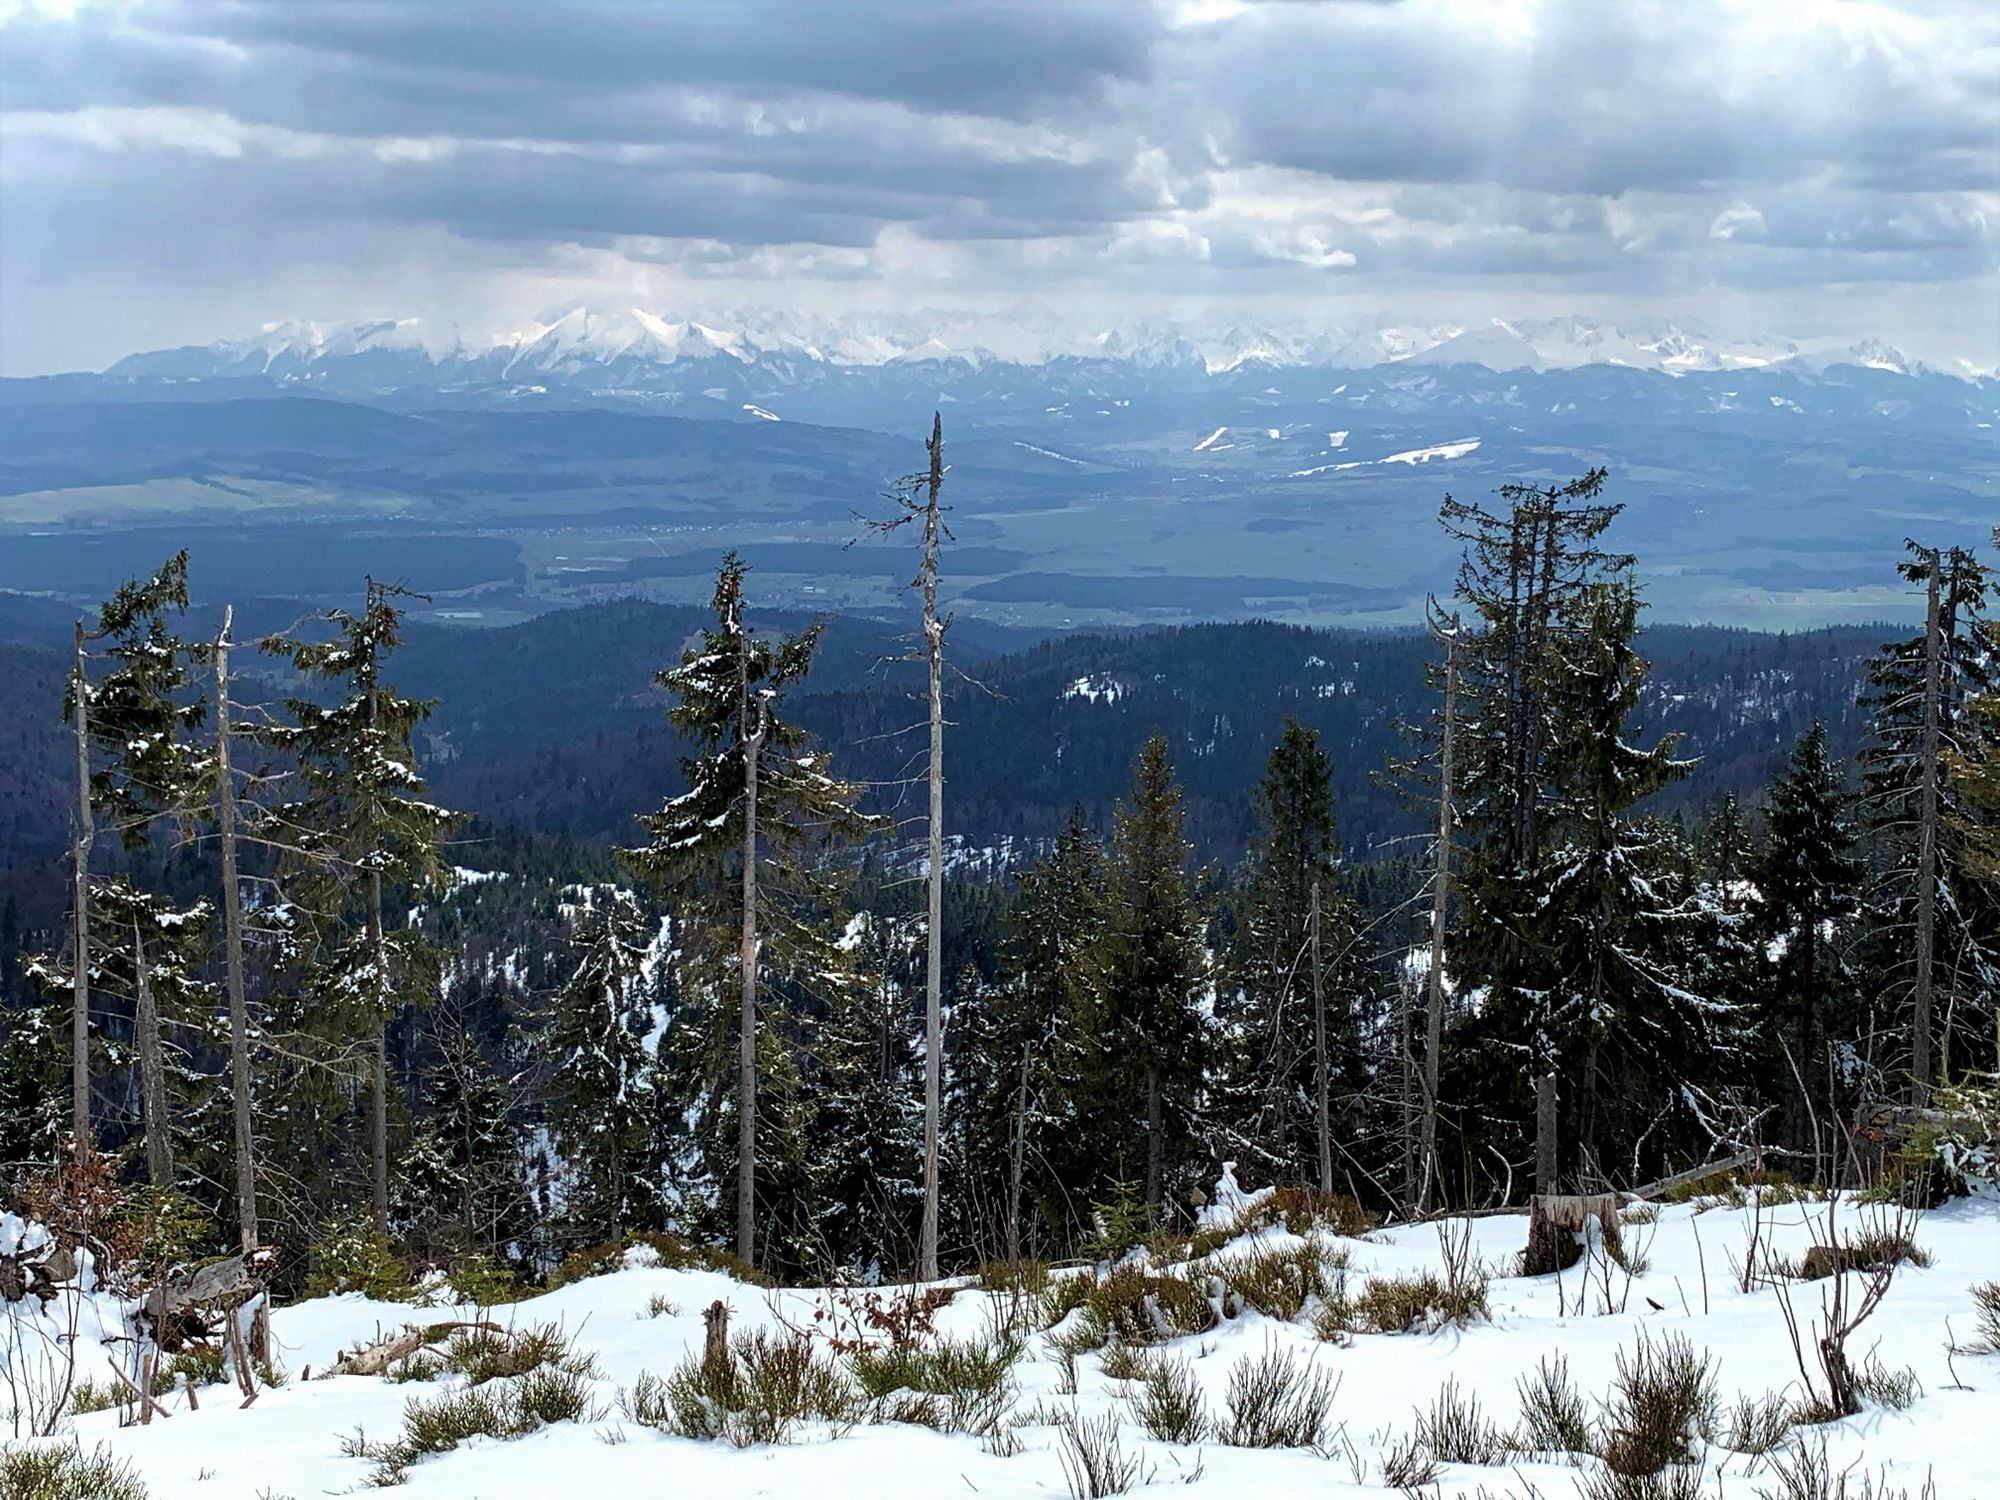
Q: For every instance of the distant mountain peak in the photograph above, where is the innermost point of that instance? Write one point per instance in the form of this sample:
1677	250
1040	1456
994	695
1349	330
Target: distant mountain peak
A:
635	346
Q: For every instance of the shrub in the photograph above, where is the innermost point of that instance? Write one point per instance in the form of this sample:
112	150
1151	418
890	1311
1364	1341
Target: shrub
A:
1302	1210
761	1393
1872	1250
1094	1462
483	1354
1758	1424
1138	1307
1336	1318
1272	1403
202	1363
39	1472
1456	1431
1406	1466
357	1257
1398	1304
441	1423
1029	1278
1121	1362
959	1385
1668	1484
1895	1389
660	1305
87	1396
1276	1282
1553	1419
1169	1404
1662	1399
1986	1316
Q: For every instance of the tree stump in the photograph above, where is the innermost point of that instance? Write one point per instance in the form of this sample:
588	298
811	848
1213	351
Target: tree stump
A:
1558	1226
715	1356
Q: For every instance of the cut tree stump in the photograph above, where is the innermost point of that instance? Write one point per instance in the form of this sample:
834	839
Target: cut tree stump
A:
1557	1225
715	1355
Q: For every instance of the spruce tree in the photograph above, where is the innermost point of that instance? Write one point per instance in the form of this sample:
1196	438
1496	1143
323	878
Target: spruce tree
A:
1042	1043
1809	885
360	831
460	1187
1271	1073
867	1127
600	1084
1151	1033
1620	1020
143	770
1922	815
759	800
1528	574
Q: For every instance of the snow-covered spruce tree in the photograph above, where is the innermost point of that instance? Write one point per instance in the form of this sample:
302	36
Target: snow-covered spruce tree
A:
359	832
599	1077
1808	879
1527	574
460	1188
734	853
1268	1071
1618	938
1150	1036
145	771
867	1129
1934	941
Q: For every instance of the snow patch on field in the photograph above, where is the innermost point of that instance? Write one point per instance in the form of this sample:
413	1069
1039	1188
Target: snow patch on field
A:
1442	450
1081	463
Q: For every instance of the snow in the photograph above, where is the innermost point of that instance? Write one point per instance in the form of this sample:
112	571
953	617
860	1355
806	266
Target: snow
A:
1210	439
1443	450
1098	687
289	1442
759	412
1081	463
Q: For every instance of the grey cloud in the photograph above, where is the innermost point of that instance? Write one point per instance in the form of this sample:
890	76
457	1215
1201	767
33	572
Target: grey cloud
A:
1644	150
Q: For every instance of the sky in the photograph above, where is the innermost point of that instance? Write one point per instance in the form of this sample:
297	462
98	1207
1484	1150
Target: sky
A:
176	171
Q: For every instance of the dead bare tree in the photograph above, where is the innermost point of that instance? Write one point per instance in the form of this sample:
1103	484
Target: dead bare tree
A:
917	499
1440	901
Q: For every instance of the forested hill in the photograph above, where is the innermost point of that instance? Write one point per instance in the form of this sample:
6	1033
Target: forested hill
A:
1037	731
556	725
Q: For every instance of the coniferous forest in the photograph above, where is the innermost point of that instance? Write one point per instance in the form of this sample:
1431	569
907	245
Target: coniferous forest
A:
303	1007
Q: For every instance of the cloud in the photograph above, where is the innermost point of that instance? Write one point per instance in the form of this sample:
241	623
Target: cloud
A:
168	161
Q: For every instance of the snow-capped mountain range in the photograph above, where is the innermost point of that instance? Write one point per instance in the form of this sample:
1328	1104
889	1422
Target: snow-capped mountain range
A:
588	343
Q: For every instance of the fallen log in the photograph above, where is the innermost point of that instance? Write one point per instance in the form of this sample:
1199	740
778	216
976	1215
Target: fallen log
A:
376	1358
1668	1183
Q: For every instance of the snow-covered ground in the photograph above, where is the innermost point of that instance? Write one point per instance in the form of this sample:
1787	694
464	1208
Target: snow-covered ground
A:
289	1443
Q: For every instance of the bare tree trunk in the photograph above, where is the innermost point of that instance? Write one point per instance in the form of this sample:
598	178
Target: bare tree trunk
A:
232	931
152	1068
1155	1146
1014	1173
378	1131
1440	900
1321	1084
934	945
746	1087
86	835
1920	1021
